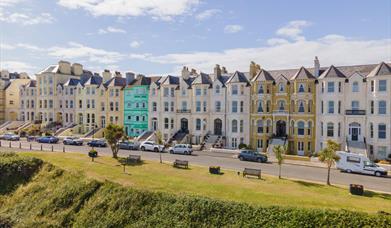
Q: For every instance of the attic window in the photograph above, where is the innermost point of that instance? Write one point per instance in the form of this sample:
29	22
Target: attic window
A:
301	88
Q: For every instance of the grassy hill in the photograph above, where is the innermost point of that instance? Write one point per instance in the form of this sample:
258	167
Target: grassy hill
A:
50	196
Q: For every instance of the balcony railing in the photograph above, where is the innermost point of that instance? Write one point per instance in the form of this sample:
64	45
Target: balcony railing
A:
280	112
355	112
183	110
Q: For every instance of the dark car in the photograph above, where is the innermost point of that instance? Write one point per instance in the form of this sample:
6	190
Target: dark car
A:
47	139
248	155
127	145
73	141
97	143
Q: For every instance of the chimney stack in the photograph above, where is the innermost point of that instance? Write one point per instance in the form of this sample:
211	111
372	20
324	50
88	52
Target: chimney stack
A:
316	66
64	67
217	70
77	69
224	70
106	75
185	73
254	68
129	77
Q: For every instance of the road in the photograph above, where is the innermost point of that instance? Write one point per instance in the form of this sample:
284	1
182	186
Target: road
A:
228	161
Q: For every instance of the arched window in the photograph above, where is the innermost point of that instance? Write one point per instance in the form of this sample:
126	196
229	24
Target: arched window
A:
301	88
281	105
267	106
281	87
260	88
300	128
330	129
301	106
268	125
292	106
260	108
260	126
234	126
217	89
355	87
309	127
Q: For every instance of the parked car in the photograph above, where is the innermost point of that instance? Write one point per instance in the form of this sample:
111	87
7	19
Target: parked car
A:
10	137
47	139
73	141
357	163
127	145
248	155
185	149
151	146
97	143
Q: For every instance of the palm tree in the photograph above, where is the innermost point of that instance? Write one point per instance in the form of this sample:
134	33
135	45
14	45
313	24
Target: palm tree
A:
328	155
113	134
279	151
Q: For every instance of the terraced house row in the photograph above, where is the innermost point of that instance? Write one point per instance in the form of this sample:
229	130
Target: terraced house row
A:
301	108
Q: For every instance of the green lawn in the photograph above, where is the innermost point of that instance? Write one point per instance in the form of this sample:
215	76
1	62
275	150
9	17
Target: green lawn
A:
197	181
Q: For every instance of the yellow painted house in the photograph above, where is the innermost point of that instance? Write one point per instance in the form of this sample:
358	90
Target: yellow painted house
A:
283	110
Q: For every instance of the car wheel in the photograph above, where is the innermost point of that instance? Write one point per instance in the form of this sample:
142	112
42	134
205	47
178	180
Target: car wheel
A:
156	149
241	158
378	174
142	148
260	160
171	151
349	171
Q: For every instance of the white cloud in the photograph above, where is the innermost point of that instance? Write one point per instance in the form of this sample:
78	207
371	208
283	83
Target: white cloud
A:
16	66
233	28
207	14
293	29
111	29
4	3
341	51
29	47
4	46
158	9
79	51
277	41
24	19
135	44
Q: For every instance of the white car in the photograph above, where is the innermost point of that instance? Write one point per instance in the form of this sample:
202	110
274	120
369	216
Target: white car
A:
185	149
356	163
151	146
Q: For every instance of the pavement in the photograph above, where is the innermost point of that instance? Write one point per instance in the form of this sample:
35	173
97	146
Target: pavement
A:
299	171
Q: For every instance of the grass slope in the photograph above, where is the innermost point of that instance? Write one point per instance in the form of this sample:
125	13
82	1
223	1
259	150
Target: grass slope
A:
58	198
197	181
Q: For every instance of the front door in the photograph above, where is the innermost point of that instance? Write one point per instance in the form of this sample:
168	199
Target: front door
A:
218	125
281	128
354	134
184	125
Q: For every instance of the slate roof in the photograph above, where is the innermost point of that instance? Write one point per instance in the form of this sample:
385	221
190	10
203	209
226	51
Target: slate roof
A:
380	69
240	76
144	81
332	72
263	75
223	78
172	80
116	81
87	78
72	82
31	84
303	73
203	79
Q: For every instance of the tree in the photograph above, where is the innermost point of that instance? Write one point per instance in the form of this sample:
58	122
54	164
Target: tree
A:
328	155
113	134
279	151
159	140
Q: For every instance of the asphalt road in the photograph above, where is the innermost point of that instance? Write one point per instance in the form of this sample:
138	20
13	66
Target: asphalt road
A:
228	161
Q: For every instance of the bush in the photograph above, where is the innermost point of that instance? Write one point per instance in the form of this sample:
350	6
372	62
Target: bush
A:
15	170
242	146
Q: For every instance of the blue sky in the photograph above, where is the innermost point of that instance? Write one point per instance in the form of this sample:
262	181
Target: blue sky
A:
159	37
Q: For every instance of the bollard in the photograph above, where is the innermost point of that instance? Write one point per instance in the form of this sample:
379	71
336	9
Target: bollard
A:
52	148
41	147
10	144
63	149
20	145
31	147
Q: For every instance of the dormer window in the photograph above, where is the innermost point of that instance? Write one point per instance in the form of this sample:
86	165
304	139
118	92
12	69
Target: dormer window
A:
330	87
234	89
301	88
355	87
260	89
217	89
281	88
281	105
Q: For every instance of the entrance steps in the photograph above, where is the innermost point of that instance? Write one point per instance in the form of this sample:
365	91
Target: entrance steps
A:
275	142
357	147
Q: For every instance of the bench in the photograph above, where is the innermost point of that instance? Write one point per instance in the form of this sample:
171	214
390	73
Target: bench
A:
181	164
252	172
134	159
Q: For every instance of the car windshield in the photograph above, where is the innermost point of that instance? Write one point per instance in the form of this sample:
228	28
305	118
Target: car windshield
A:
371	164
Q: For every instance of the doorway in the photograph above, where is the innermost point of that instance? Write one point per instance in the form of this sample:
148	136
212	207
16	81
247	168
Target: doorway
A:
281	128
218	126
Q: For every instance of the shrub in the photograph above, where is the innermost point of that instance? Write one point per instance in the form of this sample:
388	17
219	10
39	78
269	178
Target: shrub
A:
242	146
16	170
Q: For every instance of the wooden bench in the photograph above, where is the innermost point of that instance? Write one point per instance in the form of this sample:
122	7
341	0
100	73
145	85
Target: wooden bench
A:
252	172
181	164
134	159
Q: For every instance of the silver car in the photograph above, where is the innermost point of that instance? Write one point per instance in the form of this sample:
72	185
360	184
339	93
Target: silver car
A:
185	149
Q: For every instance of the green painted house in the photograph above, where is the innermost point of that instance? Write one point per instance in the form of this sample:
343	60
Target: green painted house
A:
136	106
